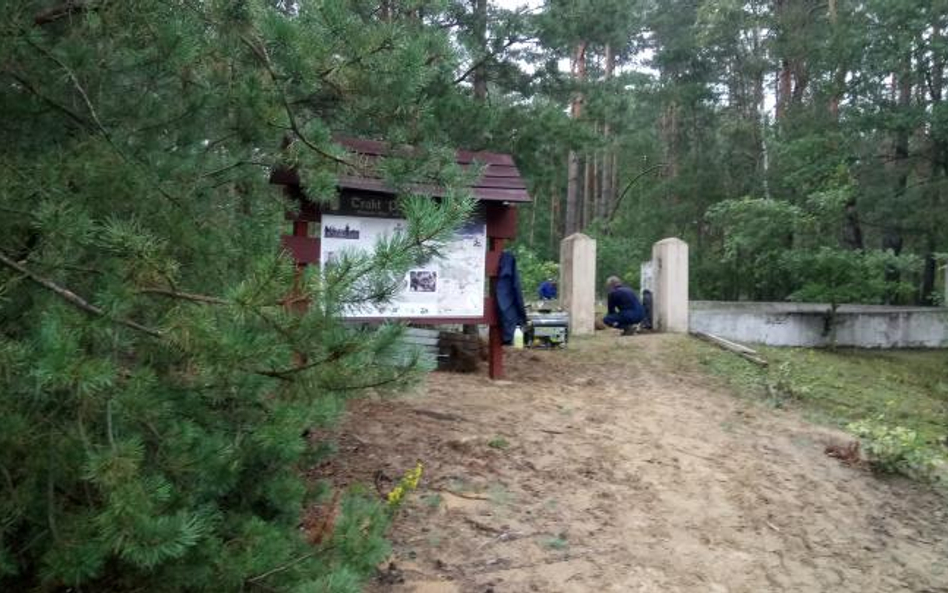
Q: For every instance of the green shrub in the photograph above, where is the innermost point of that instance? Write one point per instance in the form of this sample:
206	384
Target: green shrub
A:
896	449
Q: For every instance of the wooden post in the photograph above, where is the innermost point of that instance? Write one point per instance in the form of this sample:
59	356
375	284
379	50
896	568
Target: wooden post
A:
495	337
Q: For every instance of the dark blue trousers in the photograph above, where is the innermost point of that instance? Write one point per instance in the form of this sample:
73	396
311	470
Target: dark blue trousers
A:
622	319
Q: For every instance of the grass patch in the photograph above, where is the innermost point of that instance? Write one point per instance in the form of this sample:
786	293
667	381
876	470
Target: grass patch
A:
498	442
558	542
849	388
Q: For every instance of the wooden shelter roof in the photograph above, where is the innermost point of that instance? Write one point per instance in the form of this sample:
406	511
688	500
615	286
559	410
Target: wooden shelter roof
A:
500	180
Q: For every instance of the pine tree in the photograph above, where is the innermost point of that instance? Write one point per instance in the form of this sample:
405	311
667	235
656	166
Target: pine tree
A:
155	379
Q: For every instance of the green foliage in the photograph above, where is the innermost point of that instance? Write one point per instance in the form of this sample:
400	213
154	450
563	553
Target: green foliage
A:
533	270
558	542
154	385
896	449
498	442
893	401
840	276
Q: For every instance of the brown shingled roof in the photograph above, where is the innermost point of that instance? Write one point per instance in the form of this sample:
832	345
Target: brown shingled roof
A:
500	180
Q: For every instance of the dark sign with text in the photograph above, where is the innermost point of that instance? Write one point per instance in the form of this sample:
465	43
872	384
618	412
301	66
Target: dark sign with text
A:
365	205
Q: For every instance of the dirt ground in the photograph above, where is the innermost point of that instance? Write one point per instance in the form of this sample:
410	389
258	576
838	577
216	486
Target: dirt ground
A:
618	465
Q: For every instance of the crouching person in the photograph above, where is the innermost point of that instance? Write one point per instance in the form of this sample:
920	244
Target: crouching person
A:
624	308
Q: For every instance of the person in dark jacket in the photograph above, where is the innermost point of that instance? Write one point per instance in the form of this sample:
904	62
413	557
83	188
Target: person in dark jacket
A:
624	308
547	290
510	306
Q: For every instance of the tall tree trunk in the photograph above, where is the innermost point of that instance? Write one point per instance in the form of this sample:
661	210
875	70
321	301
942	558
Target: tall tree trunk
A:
839	76
939	160
929	273
480	32
669	133
892	232
608	160
533	217
573	188
589	192
784	88
554	210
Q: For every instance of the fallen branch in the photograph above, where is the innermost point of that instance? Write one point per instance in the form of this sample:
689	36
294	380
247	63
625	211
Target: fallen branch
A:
438	415
739	349
460	495
74	299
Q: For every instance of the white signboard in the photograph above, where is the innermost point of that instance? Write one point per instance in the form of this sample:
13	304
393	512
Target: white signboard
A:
449	286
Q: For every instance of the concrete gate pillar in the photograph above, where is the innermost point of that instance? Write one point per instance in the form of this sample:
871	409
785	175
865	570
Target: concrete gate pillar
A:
670	281
578	282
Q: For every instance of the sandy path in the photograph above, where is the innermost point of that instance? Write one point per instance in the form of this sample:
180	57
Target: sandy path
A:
636	474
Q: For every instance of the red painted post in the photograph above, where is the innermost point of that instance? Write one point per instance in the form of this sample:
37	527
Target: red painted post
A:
495	339
298	303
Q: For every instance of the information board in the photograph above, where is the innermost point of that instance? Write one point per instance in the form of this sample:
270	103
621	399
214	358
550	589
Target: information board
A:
451	285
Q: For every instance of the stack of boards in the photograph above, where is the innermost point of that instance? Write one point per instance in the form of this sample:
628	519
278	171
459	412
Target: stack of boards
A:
447	350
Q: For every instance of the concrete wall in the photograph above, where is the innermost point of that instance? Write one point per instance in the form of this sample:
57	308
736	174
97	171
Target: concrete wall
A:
804	324
577	286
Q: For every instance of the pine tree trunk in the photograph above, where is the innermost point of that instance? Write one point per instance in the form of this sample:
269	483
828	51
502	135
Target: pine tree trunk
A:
589	193
554	209
939	159
892	233
597	186
571	222
533	217
573	188
669	131
608	188
480	32
784	86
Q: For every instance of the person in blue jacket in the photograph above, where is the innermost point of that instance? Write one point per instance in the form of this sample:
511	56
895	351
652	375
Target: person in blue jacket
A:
510	305
547	290
624	308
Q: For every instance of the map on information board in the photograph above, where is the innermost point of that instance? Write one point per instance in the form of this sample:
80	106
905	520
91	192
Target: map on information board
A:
448	286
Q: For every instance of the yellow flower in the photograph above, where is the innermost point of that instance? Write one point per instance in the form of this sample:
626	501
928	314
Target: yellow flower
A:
395	495
408	483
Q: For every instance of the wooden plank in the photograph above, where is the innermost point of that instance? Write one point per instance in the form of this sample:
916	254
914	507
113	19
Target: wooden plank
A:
498	170
486	158
501	183
492	194
739	349
421	331
376	148
489	194
481	320
426	342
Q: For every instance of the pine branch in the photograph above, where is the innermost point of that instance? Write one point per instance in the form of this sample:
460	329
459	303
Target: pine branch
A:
261	54
77	85
26	84
489	56
629	186
381	383
95	116
185	296
280	568
286	374
60	11
74	299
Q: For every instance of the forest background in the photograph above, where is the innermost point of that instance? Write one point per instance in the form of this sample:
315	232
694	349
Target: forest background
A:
161	390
